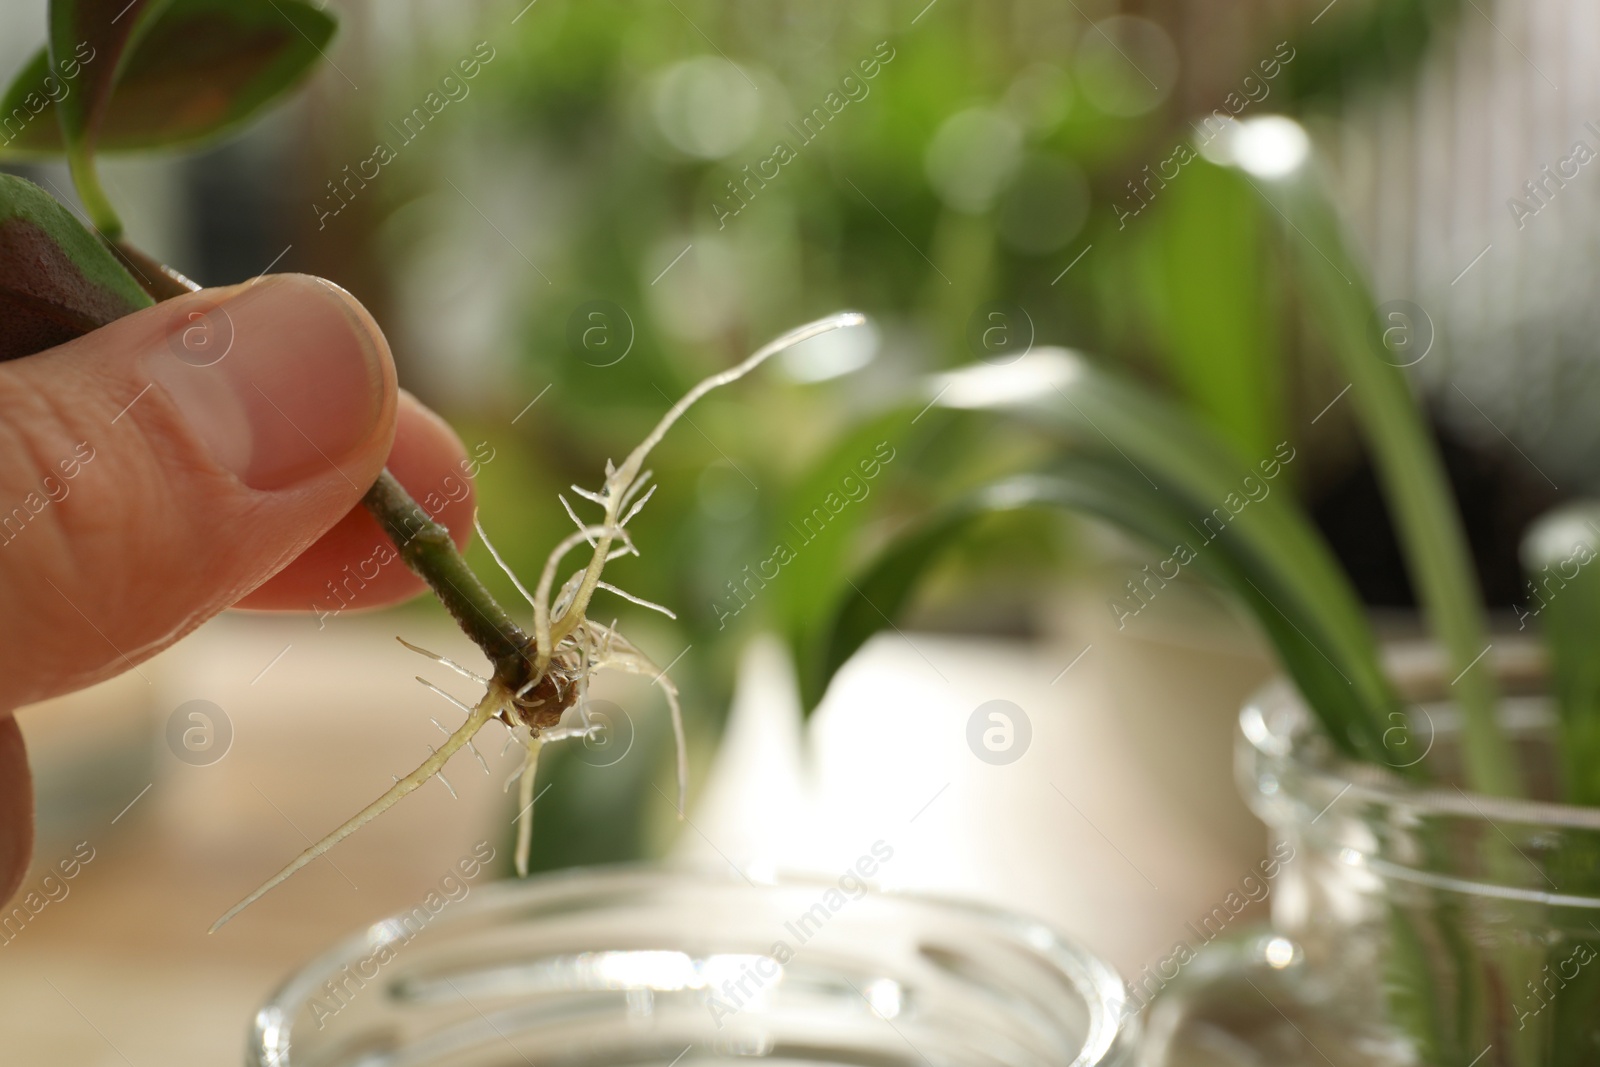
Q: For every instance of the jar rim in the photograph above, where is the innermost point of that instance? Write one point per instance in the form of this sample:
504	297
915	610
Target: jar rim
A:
1100	987
1278	723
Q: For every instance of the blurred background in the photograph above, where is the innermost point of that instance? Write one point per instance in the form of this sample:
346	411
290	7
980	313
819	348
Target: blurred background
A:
626	196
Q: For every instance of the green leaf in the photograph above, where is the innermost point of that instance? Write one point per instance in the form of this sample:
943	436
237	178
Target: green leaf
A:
820	538
88	44
1148	467
1406	457
89	41
57	281
1093	486
880	591
196	69
1363	45
1214	307
206	66
28	108
1558	554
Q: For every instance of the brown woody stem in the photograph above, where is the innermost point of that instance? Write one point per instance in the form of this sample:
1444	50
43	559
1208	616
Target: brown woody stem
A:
157	279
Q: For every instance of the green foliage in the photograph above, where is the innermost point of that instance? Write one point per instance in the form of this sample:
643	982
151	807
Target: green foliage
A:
184	72
89	40
1558	554
854	220
118	76
820	541
1212	285
57	281
1145	465
1407	460
1354	45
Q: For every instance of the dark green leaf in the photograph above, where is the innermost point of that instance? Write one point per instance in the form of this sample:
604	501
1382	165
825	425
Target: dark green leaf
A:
165	74
28	110
1364	44
1164	448
1148	467
1093	486
879	593
57	281
1404	453
821	537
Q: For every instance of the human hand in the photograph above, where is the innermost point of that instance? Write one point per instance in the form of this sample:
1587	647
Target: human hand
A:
141	493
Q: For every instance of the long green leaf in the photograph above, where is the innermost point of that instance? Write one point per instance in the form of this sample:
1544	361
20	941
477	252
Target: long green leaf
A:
1559	554
1162	446
1098	488
1408	464
57	281
823	511
1417	491
1149	467
1215	307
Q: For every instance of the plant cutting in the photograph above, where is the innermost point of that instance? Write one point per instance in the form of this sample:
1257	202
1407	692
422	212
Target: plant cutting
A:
170	74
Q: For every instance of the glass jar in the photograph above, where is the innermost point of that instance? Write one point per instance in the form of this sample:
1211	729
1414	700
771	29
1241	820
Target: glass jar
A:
654	966
1411	924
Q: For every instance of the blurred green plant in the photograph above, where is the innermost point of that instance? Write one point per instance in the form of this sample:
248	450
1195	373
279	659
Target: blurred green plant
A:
1120	454
942	170
888	205
1557	554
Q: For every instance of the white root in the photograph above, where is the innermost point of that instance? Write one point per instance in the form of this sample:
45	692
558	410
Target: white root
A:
520	736
500	562
623	480
638	504
638	484
573	515
679	739
618	653
461	704
446	660
448	788
492	702
542	634
639	600
621	485
470	746
525	799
